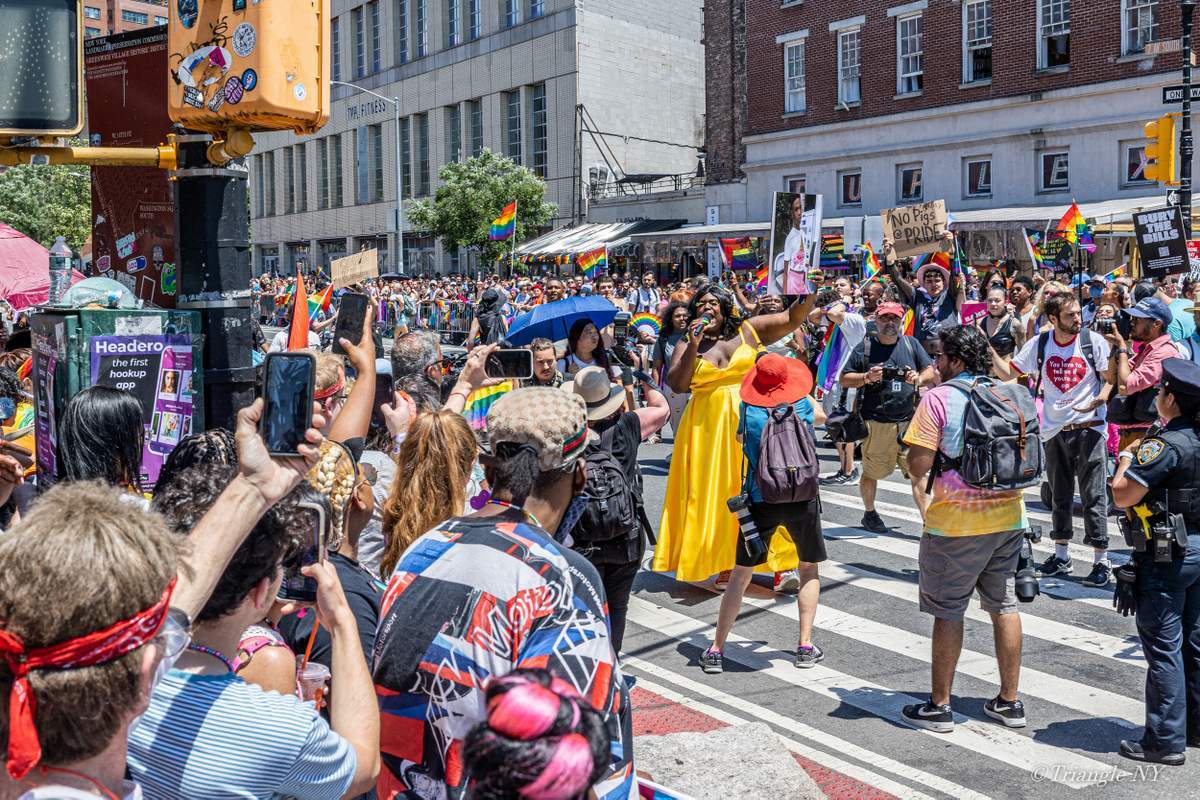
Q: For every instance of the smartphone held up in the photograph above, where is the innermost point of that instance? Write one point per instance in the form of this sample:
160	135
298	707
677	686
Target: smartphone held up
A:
288	381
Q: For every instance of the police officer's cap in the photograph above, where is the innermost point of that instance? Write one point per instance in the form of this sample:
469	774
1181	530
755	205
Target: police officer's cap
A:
1181	376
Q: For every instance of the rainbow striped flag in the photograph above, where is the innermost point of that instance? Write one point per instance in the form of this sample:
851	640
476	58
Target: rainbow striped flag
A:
589	262
760	277
480	400
871	265
909	323
646	320
740	253
831	358
833	251
1117	272
25	368
1075	229
319	302
504	225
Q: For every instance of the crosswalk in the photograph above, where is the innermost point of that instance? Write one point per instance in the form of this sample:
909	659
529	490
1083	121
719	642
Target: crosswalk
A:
1082	673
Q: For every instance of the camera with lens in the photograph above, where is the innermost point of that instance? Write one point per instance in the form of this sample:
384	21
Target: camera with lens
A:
754	546
894	373
1026	581
1104	326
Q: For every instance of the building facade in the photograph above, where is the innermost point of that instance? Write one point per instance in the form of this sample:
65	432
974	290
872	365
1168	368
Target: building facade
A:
984	103
513	76
105	17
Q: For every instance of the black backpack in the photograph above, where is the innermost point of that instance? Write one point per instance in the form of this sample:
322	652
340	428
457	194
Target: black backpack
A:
1002	442
612	510
787	468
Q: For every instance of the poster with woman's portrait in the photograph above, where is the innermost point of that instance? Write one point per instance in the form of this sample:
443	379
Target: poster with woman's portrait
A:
795	242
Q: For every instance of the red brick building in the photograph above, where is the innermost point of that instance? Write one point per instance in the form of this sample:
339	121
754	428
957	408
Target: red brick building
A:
103	17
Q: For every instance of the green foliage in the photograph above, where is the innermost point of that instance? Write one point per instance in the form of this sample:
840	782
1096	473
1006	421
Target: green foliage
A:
473	193
46	202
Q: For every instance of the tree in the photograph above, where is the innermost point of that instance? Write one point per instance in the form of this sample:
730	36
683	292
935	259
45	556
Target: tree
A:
46	202
473	193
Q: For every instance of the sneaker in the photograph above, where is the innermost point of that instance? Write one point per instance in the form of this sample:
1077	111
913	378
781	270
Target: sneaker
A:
1011	714
787	582
1135	751
808	657
938	719
835	479
722	580
852	478
711	662
1055	566
1101	575
874	523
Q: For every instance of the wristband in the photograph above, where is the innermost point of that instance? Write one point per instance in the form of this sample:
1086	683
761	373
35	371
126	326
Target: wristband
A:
398	441
1124	454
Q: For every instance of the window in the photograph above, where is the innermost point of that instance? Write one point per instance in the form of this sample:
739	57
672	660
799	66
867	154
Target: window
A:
301	157
1139	24
793	77
1054	33
536	8
289	181
160	20
422	134
512	126
453	134
977	41
91	13
323	173
375	148
360	43
1055	171
850	187
422	27
796	184
406	157
136	17
337	197
848	88
260	190
89	31
362	166
475	111
539	141
376	37
453	35
1135	163
402	31
474	19
909	188
909	60
512	12
978	176
335	48
269	178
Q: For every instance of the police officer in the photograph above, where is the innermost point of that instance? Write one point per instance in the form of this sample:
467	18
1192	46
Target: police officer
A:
1158	480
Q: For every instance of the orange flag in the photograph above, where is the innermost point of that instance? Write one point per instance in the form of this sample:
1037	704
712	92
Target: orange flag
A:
298	330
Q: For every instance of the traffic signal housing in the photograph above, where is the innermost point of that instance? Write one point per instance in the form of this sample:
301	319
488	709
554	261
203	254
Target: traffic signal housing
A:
41	68
1160	150
253	66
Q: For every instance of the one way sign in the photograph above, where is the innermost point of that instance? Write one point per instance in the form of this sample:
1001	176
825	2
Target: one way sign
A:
1174	94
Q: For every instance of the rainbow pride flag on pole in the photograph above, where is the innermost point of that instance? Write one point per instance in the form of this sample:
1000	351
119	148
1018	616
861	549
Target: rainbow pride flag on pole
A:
831	358
871	266
319	302
590	262
504	225
1075	230
760	277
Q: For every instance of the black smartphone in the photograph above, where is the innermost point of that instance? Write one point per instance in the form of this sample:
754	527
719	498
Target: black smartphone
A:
621	326
517	363
352	312
288	380
383	394
295	585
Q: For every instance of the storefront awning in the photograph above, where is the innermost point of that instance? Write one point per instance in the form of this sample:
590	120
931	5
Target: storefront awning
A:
591	236
1102	213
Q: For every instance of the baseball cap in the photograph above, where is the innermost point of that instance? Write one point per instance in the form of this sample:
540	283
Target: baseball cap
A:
894	309
1152	308
551	421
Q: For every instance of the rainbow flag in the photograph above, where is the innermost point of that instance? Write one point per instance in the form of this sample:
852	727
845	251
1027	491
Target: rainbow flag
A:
25	368
831	357
1075	229
646	320
833	252
740	253
909	323
319	302
504	225
1118	272
480	400
871	265
590	262
760	277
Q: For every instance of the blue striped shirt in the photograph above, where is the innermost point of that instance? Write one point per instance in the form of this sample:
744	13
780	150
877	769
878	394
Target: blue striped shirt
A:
216	736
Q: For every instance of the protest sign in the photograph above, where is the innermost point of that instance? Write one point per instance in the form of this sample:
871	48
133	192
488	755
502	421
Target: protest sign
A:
795	243
972	312
354	269
915	229
1160	241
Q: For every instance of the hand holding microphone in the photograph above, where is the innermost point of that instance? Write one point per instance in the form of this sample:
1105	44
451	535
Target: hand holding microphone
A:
699	325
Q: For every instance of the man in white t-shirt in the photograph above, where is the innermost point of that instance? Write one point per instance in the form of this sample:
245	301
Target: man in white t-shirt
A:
1070	373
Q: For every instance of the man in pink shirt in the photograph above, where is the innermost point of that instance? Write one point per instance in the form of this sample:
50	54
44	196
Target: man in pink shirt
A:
1132	374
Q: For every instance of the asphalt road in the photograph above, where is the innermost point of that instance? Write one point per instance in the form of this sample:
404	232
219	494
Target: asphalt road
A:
1082	670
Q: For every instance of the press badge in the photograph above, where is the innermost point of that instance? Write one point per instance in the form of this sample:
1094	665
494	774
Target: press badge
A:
896	387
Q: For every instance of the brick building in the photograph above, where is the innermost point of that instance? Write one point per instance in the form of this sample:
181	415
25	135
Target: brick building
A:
104	17
986	103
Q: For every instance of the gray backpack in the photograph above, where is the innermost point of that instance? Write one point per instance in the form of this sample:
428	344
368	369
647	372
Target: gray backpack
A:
787	468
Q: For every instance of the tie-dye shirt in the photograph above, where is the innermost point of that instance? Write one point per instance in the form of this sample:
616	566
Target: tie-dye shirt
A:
956	508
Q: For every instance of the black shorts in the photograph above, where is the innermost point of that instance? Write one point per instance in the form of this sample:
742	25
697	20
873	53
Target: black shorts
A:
800	521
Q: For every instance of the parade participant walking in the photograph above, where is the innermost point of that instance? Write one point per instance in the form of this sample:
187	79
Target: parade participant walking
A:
852	327
489	324
886	368
645	298
1070	364
935	303
1157	479
697	535
1002	328
585	348
971	542
1020	296
776	388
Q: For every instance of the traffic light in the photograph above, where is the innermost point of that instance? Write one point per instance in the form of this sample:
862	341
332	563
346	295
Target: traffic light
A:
1160	150
257	66
41	68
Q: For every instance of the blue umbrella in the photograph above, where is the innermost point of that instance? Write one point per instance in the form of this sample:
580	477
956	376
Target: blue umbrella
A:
554	320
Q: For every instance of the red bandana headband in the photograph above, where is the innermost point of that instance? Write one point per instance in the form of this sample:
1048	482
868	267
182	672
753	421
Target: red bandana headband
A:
89	650
332	390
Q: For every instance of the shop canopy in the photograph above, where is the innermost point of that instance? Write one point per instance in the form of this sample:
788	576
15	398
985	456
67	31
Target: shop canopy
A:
589	237
24	269
1102	213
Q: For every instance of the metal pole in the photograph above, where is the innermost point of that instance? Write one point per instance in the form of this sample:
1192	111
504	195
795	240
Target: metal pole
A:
1187	7
399	193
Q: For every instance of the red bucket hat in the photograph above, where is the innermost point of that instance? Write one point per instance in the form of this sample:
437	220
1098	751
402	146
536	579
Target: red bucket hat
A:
775	381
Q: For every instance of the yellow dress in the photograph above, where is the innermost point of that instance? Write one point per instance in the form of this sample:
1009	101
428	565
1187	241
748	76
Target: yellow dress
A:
698	535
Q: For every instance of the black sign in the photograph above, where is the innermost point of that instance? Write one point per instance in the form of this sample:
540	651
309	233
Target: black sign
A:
136	373
1160	241
1174	94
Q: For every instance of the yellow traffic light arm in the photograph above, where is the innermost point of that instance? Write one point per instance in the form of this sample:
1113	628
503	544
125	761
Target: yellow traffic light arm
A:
162	157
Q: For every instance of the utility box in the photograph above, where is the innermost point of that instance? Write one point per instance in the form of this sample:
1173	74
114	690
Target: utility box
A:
256	64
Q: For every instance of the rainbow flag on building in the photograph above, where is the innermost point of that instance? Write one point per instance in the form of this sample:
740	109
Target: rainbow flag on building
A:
740	253
833	251
590	262
504	225
480	400
1075	230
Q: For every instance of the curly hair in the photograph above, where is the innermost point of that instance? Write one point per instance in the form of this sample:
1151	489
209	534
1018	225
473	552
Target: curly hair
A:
275	537
733	320
667	316
216	446
969	345
541	740
10	385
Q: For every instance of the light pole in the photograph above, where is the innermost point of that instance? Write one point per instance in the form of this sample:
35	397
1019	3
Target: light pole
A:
399	221
1186	8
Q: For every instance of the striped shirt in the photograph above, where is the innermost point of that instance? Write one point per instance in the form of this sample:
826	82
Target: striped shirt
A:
216	736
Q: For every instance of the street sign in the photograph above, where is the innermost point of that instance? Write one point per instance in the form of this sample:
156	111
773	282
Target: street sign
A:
1163	46
1172	197
1174	94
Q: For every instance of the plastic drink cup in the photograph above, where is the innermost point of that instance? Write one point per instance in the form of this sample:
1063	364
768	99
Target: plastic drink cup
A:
313	681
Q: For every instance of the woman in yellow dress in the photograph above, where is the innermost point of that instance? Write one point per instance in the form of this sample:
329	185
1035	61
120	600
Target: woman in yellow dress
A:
698	534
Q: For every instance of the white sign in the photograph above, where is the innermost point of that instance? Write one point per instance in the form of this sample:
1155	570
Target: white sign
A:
712	215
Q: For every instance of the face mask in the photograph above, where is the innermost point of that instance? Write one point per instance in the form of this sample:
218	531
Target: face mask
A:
574	511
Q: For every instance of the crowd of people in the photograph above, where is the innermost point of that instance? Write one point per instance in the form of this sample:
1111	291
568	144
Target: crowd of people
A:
470	605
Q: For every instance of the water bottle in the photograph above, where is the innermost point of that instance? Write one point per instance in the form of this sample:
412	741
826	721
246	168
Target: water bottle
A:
60	270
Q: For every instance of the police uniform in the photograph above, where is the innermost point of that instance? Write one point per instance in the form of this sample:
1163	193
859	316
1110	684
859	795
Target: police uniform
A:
1167	593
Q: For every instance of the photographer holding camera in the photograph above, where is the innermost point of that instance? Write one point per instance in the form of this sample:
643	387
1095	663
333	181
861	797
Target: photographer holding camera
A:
887	368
